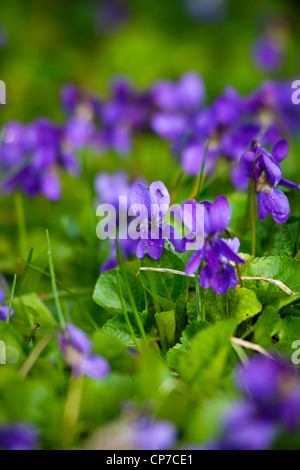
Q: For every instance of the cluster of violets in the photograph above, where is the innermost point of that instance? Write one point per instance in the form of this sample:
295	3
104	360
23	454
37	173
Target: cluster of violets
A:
32	156
134	431
216	257
138	433
269	407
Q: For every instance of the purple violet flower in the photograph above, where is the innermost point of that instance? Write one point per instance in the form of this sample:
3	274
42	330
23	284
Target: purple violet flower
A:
19	436
150	206
216	252
109	188
187	95
2	291
150	434
268	54
270	405
4	308
267	172
76	348
274	388
4	313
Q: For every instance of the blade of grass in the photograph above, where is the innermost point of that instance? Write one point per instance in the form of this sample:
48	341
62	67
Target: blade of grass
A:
35	353
66	289
11	298
54	287
199	295
131	299
200	181
126	313
21	224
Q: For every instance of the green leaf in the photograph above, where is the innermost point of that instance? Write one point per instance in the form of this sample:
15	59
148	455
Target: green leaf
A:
30	310
12	346
170	291
282	268
240	303
273	331
118	328
281	241
203	366
243	304
115	351
106	292
175	353
167	326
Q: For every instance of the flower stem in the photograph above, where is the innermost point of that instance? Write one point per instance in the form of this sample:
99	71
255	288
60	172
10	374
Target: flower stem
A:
72	409
246	218
53	283
129	292
11	298
71	293
198	300
202	303
298	237
238	273
200	181
253	204
126	313
253	219
19	208
35	354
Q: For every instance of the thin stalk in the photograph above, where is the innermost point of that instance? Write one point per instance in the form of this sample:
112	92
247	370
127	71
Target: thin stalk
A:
202	303
200	181
54	287
253	205
238	273
161	334
227	304
214	177
19	208
246	218
240	353
253	219
126	313
62	285
197	289
298	237
174	189
22	283
11	298
131	299
72	409
35	354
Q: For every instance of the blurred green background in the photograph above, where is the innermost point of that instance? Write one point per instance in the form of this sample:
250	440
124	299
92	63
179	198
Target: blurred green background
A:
53	42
